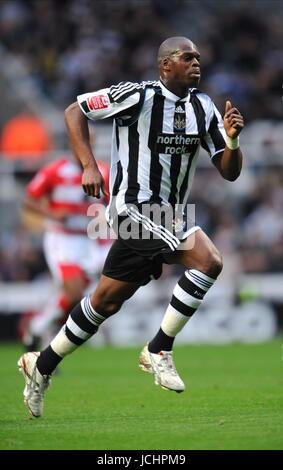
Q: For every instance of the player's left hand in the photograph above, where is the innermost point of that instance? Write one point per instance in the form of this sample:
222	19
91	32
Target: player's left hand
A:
233	121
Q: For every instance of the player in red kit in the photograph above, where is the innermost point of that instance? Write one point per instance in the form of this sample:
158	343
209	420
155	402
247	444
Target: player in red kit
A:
73	258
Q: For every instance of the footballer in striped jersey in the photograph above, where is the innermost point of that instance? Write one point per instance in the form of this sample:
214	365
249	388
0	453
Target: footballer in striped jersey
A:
158	129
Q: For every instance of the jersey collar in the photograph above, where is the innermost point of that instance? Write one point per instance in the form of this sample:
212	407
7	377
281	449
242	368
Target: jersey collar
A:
170	95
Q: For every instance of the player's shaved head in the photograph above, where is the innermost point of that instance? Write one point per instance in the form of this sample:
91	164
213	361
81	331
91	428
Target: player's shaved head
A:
172	46
179	64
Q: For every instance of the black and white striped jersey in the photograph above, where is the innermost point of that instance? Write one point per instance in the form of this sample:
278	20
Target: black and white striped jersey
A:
156	140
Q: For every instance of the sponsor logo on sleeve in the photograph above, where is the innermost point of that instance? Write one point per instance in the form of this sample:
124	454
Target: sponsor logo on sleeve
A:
98	102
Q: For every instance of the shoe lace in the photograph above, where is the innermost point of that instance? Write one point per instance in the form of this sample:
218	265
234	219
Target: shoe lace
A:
166	363
39	388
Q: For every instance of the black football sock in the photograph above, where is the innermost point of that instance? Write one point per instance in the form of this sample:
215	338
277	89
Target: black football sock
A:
161	342
48	361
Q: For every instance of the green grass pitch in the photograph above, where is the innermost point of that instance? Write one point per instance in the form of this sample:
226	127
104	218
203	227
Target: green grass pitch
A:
101	400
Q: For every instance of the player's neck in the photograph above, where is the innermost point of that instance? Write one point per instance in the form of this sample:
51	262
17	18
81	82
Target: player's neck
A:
177	89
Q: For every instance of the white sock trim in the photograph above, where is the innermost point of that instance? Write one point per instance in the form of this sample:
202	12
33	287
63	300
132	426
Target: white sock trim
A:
173	321
186	298
61	345
199	279
92	316
76	330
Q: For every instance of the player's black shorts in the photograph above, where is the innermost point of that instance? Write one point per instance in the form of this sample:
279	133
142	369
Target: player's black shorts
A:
143	238
125	264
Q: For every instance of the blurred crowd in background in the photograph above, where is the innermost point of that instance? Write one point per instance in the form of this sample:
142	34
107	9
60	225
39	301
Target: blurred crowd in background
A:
74	46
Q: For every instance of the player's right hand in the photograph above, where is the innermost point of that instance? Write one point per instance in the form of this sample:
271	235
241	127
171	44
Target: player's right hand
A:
93	182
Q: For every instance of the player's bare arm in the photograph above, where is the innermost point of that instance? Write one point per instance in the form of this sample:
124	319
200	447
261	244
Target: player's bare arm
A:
78	131
229	163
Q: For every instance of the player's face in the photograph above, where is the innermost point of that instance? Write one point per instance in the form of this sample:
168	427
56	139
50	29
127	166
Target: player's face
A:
185	66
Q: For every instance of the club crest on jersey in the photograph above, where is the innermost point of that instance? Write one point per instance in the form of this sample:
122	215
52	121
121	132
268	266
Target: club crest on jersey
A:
98	102
179	122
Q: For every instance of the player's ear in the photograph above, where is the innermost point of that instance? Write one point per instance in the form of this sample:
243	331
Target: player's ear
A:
166	63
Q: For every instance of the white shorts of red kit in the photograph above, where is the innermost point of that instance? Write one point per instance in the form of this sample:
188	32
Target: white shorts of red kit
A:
70	255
